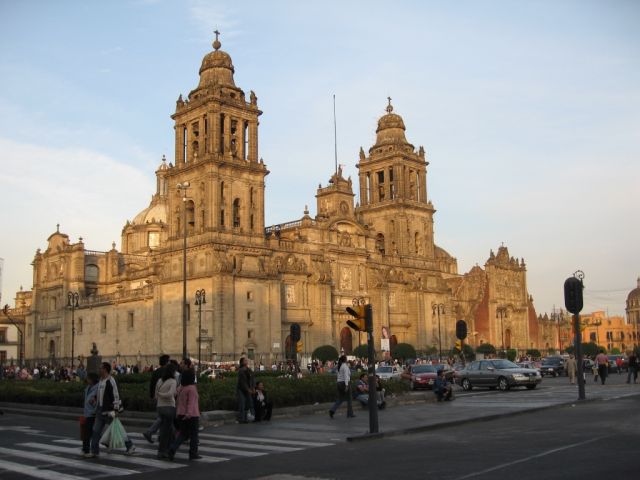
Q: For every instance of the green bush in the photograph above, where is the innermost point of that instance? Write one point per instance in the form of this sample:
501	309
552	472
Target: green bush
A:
325	353
589	349
615	351
360	351
486	348
511	354
534	352
403	351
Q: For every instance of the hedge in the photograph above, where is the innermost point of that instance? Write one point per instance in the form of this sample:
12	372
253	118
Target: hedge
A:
214	395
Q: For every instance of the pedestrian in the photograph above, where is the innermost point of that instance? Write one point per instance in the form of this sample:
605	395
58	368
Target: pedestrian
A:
155	376
362	390
166	405
188	413
633	367
619	363
441	387
244	390
572	369
262	405
108	404
90	405
344	388
603	366
594	370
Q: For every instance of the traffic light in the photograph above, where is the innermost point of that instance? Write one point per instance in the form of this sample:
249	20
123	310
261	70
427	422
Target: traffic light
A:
359	322
295	332
459	345
461	329
299	346
573	295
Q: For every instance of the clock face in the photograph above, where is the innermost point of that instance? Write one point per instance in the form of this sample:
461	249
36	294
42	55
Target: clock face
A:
344	208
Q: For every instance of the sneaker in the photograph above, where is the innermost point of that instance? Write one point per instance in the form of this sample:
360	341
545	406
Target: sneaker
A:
195	457
171	454
88	455
148	437
131	450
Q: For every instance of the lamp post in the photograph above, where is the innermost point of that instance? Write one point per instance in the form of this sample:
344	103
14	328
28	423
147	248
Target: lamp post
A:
501	313
184	186
200	299
72	303
559	318
438	309
5	310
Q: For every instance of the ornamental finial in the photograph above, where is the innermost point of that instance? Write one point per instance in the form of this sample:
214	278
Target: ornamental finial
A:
389	107
216	43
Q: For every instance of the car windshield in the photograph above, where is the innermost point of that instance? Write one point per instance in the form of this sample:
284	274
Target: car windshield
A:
503	364
384	370
423	369
552	361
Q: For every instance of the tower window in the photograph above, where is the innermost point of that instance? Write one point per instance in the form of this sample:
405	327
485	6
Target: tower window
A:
130	321
236	213
381	185
380	243
103	323
184	144
191	215
80	325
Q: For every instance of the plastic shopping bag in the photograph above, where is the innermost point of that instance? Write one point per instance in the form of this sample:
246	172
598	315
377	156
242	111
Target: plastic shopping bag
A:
106	435
118	434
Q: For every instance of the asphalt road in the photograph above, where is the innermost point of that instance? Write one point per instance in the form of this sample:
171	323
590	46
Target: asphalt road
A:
598	438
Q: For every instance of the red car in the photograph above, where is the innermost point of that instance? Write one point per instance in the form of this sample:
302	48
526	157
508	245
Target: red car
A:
423	376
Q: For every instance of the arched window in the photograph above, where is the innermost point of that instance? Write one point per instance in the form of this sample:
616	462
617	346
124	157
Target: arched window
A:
416	242
91	273
236	213
191	215
380	243
52	348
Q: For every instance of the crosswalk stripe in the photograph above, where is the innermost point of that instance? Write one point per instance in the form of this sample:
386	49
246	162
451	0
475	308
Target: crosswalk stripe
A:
228	451
149	451
147	462
244	451
250	446
36	472
267	440
69	462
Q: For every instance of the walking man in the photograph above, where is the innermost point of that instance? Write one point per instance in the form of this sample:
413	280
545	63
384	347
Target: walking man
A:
344	387
572	368
155	376
633	367
603	366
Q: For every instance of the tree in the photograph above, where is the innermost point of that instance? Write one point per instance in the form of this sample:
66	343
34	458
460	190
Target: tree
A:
403	351
615	351
511	354
590	349
361	351
486	348
534	352
325	353
467	351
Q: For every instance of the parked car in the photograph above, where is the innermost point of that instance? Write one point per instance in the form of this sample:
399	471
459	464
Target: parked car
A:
553	366
423	376
498	373
387	372
529	364
613	366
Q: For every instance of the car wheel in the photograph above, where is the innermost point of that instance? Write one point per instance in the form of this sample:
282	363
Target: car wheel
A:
531	387
503	384
466	384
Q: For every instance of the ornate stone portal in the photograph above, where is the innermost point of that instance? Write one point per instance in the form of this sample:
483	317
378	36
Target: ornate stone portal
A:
260	280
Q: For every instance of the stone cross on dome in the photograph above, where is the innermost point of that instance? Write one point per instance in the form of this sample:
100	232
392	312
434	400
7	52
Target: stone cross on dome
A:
389	107
216	43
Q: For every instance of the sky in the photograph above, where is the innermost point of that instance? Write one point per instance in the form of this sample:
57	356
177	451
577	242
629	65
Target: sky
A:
529	113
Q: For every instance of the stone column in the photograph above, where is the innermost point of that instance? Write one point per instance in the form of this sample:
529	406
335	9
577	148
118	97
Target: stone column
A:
215	132
227	135
253	141
363	189
179	131
243	139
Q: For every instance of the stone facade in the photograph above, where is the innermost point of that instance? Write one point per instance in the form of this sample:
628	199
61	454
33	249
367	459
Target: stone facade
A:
258	280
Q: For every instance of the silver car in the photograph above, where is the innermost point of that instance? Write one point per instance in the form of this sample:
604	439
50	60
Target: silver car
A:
387	372
497	373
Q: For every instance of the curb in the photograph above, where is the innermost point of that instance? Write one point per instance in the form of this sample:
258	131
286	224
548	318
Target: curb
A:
486	418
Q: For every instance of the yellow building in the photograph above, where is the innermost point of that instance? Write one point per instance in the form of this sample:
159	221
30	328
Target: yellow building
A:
259	280
609	332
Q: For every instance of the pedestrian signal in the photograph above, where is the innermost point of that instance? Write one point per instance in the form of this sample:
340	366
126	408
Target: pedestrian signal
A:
573	295
295	332
461	329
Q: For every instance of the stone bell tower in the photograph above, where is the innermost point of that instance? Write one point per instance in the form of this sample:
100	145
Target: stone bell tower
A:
216	151
393	192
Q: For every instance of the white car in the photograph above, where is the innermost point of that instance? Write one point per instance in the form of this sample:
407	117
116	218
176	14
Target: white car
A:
387	372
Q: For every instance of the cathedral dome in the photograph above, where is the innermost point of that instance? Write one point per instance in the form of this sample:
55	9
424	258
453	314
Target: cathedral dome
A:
217	67
152	214
390	128
634	295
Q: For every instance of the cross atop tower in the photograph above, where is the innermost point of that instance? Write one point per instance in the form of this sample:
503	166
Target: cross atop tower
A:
57	228
216	43
389	107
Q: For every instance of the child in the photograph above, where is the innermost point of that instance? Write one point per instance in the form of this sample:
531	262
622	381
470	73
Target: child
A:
90	404
188	411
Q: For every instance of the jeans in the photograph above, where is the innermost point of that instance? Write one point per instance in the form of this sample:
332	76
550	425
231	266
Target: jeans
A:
155	426
342	396
244	403
100	421
86	435
188	430
166	414
602	372
632	371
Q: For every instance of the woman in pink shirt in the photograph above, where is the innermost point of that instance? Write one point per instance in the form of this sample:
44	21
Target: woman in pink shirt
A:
188	411
603	366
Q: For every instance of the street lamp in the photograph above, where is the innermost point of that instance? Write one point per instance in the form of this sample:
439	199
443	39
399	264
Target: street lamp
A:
438	309
184	186
558	317
501	313
5	310
72	303
200	299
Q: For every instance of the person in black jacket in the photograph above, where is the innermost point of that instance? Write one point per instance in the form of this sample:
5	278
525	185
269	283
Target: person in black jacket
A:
262	405
245	389
155	376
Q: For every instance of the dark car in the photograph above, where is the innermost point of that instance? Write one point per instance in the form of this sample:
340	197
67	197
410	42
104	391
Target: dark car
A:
499	373
553	366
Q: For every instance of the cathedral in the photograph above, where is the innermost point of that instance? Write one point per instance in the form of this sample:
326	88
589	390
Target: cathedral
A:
205	230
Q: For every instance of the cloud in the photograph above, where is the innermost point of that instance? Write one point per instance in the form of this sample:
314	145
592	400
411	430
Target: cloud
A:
209	16
89	193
